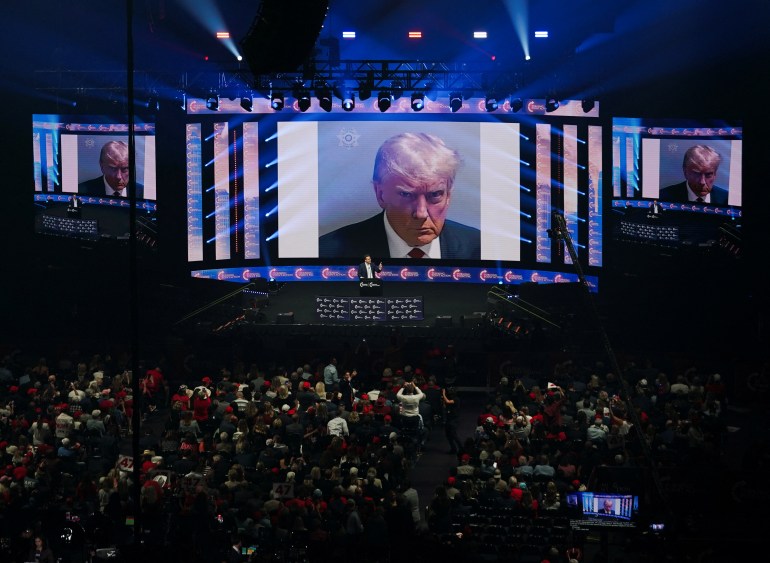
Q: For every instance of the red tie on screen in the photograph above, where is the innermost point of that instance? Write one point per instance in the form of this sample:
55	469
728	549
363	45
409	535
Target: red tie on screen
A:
117	194
416	253
699	200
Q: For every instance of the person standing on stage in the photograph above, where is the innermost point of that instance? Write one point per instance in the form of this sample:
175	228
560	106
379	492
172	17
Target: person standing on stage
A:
366	269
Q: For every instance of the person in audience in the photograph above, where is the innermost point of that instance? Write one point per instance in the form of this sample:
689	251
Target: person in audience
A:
451	418
211	474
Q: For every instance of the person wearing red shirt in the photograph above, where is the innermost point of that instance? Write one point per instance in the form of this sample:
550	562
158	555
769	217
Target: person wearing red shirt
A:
201	405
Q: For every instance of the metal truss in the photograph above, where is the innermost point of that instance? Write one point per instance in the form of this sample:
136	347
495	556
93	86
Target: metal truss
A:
354	75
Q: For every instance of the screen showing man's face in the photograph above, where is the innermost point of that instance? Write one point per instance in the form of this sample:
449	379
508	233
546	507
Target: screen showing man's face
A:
700	178
415	211
115	170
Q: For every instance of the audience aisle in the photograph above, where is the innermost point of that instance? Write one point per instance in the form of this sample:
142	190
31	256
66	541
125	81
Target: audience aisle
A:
435	461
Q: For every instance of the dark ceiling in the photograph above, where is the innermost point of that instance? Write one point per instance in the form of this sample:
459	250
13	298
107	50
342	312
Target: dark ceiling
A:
702	46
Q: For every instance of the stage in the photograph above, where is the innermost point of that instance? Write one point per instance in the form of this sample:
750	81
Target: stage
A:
290	310
456	326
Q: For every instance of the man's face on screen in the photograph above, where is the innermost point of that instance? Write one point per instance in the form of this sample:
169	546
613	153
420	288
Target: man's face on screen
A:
415	211
115	170
700	178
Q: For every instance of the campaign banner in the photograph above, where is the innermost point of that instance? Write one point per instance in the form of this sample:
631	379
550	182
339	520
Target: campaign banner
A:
405	309
431	274
705	208
332	308
368	309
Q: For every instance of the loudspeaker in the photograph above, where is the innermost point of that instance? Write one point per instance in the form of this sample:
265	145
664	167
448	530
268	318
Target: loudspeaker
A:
444	320
282	35
284	319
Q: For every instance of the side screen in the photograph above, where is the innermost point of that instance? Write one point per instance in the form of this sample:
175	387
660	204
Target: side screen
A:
81	176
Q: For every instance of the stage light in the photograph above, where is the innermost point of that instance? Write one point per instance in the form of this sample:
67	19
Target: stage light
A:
324	96
455	101
418	101
212	102
587	105
516	104
384	100
247	103
490	103
302	96
276	101
551	104
348	102
365	87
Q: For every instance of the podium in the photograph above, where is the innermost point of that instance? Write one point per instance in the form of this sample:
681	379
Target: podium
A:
370	287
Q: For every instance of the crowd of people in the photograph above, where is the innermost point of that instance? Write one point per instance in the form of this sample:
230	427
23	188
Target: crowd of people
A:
315	462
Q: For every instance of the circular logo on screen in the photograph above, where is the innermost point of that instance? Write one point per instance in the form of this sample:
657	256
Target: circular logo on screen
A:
458	274
348	137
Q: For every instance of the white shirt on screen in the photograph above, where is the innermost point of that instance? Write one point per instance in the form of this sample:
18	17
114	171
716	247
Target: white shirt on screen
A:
399	249
692	196
109	190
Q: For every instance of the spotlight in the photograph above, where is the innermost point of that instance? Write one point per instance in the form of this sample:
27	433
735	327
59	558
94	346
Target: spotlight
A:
212	102
455	101
364	93
276	101
516	104
587	105
384	100
551	104
365	87
303	99
324	96
490	103
247	103
418	101
345	96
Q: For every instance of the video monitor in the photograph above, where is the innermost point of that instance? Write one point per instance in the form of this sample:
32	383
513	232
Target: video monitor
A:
595	509
304	196
81	175
678	182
